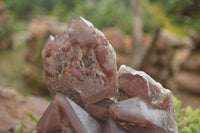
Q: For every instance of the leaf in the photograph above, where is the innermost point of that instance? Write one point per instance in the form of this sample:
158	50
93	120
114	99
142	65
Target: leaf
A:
35	119
19	128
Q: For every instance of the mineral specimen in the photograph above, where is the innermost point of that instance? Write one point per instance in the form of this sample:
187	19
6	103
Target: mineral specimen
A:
80	70
150	105
81	64
139	84
135	111
112	127
65	116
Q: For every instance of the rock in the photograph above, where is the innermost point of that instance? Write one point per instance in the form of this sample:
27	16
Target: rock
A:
14	107
80	71
67	117
180	56
112	127
169	38
135	111
139	84
151	96
80	63
159	62
192	63
189	81
195	38
167	57
40	28
122	44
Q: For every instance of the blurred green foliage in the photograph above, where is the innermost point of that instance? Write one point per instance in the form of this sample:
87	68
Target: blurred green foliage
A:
175	5
188	120
107	13
158	18
181	7
20	8
20	128
33	118
182	12
104	13
6	31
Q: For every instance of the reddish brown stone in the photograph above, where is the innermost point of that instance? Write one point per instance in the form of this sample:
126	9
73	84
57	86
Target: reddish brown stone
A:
14	108
64	116
112	127
138	84
136	114
80	63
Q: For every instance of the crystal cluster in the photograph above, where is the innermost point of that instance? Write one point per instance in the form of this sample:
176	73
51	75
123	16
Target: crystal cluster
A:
90	96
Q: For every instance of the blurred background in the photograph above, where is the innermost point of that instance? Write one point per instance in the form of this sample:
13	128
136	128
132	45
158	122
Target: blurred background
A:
159	37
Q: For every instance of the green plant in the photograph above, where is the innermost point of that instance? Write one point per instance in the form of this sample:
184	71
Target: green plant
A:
159	17
104	13
19	128
35	119
21	9
188	120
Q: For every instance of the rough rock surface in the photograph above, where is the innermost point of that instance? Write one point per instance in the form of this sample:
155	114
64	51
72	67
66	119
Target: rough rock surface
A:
67	117
13	108
139	84
135	111
39	27
81	65
148	97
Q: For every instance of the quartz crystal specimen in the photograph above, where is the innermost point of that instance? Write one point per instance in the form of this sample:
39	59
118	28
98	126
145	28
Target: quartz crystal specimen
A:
139	84
80	71
112	127
65	116
150	105
81	64
135	111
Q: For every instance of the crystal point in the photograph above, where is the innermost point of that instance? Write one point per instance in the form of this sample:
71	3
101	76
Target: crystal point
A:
65	116
80	63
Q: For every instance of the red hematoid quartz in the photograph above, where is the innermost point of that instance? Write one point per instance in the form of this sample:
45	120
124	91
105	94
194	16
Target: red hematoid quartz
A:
78	59
90	96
